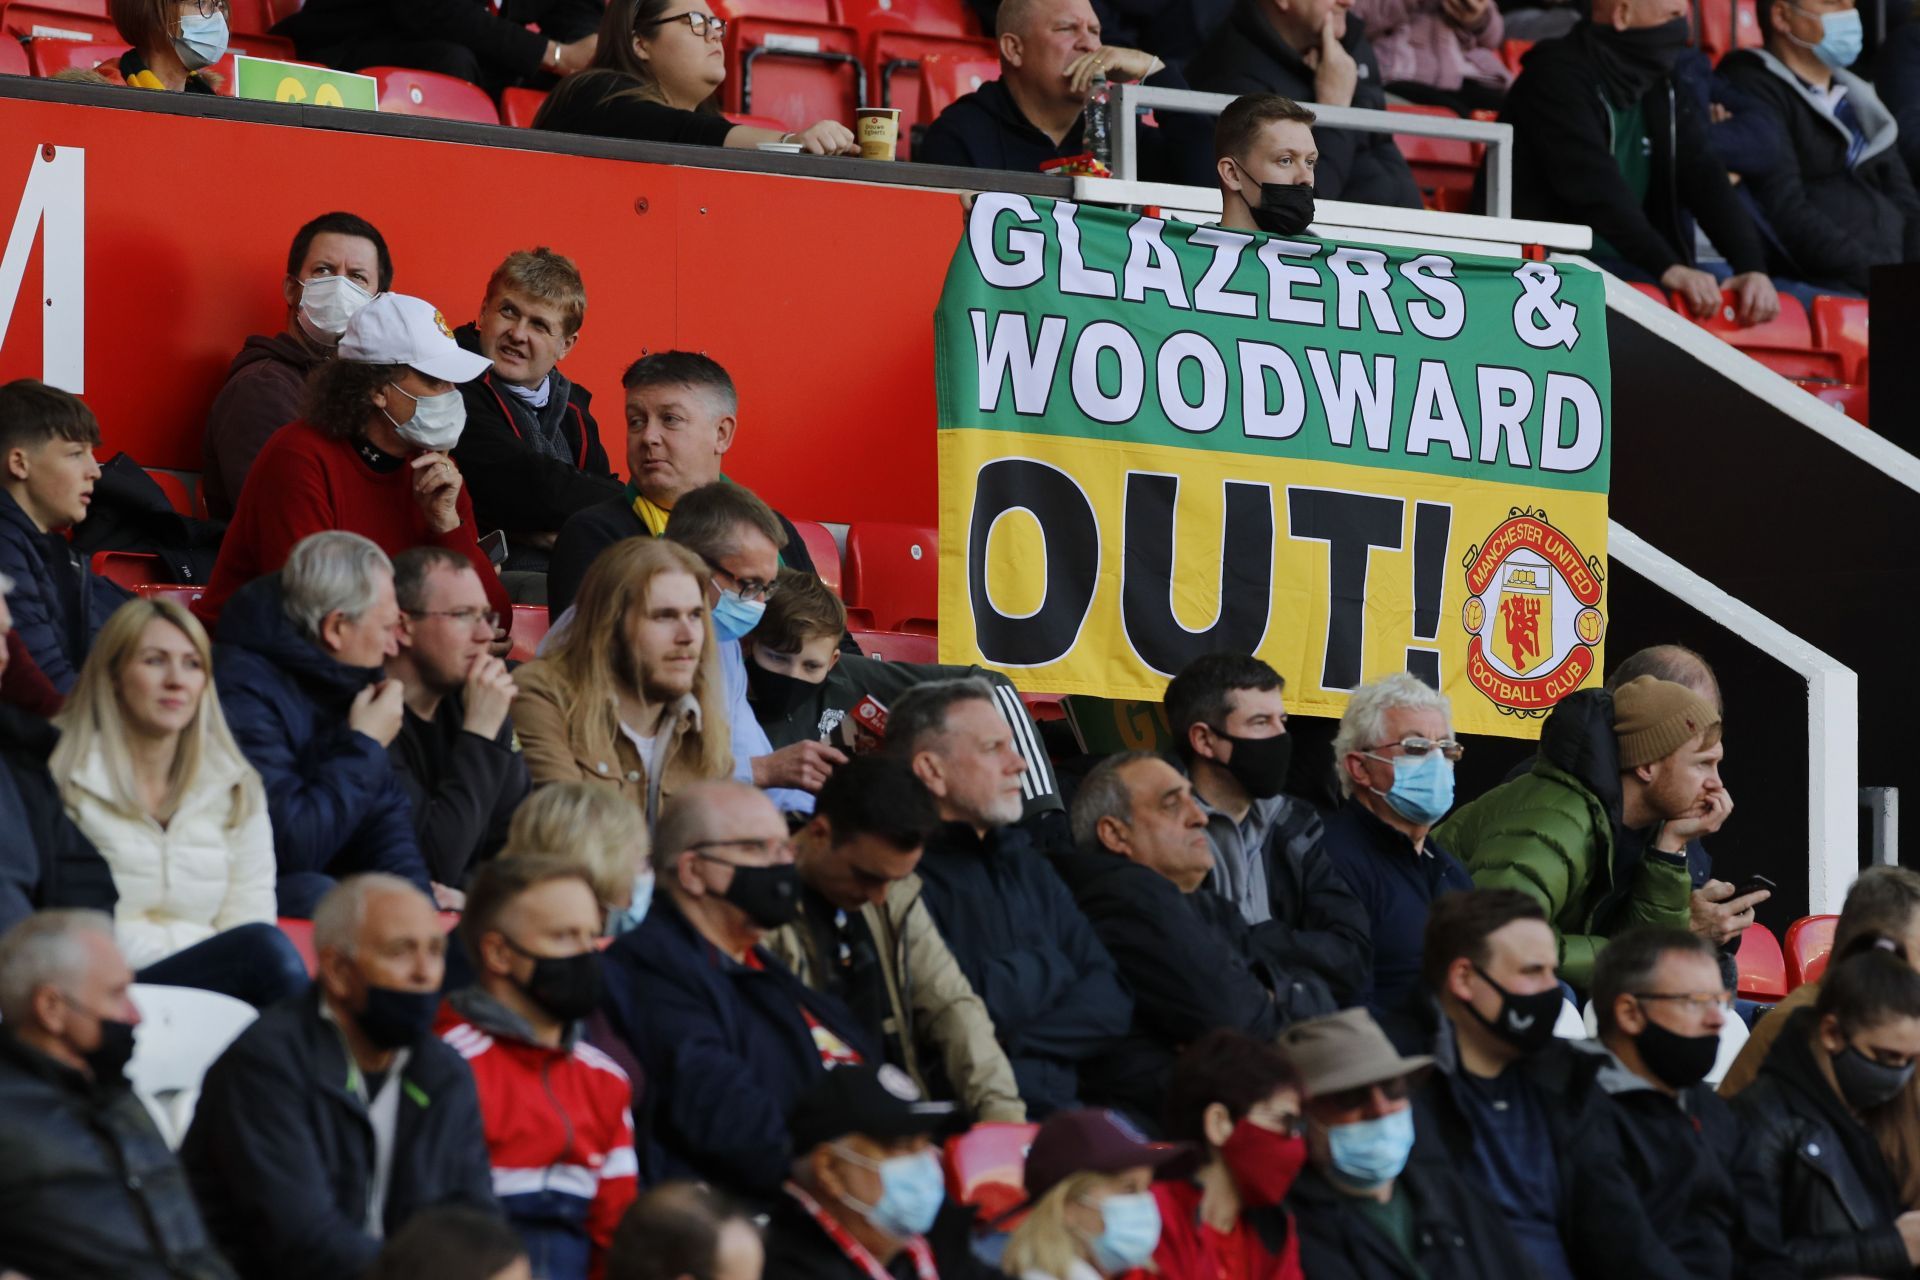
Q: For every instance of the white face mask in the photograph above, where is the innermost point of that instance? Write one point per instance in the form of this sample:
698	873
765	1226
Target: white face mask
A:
327	303
202	40
437	421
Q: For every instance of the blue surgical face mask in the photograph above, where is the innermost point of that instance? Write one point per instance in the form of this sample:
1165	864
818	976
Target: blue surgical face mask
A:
1422	790
1130	1228
734	617
1369	1153
912	1189
626	919
1841	37
202	40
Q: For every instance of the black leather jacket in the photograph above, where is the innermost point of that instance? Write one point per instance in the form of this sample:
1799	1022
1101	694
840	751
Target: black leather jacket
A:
1809	1166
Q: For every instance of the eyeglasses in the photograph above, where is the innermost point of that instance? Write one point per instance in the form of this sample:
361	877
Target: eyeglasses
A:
1417	748
1698	1001
747	588
465	617
773	846
207	8
703	25
1394	1090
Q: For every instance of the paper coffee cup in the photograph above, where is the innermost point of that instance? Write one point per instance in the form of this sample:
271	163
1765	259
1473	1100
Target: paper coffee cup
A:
878	129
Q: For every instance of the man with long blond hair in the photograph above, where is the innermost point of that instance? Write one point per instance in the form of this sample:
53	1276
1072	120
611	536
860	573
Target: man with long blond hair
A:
630	696
151	775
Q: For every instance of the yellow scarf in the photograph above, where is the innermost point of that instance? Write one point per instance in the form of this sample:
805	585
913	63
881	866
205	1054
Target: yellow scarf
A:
650	513
144	79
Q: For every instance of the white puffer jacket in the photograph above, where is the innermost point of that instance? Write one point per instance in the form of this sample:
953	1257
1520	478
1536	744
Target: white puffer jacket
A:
182	883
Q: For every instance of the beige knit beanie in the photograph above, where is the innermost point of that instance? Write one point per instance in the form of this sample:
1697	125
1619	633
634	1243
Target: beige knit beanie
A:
1653	718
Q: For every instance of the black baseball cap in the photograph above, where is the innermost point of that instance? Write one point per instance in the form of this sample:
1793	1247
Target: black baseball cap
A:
882	1103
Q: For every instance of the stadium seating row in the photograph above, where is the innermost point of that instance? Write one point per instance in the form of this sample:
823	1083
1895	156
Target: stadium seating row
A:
1823	348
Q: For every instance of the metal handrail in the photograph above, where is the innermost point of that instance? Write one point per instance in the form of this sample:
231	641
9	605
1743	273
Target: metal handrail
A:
1129	100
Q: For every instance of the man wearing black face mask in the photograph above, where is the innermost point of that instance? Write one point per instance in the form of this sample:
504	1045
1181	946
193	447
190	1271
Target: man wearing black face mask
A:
1659	1005
1519	1112
1601	137
728	1037
558	1111
89	1186
1264	153
337	1116
1229	724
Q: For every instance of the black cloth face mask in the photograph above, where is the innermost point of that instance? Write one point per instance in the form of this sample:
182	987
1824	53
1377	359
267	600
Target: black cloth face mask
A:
776	692
769	895
108	1060
1634	60
1260	765
1283	210
567	987
1867	1084
394	1019
1525	1022
1677	1061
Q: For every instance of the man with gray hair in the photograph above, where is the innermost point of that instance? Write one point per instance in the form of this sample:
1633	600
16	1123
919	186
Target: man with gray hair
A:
1137	872
89	1185
1394	756
727	1037
1053	992
338	1115
298	666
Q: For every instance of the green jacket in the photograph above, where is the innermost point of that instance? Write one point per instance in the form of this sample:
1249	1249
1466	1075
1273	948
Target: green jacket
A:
1553	835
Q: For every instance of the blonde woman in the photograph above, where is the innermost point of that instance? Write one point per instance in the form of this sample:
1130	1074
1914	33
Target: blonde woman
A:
595	827
150	774
630	697
1093	1216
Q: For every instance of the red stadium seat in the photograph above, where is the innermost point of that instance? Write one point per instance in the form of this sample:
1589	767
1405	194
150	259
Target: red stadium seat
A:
1840	325
946	76
280	10
822	550
1763	971
1784	344
894	570
793	70
258	44
59	20
784	10
894	60
1045	706
922	17
249	16
1655	292
300	934
1726	25
1809	944
518	107
406	92
1848	399
50	57
182	596
1511	51
13	57
528	628
987	1165
1444	167
129	569
898	646
175	488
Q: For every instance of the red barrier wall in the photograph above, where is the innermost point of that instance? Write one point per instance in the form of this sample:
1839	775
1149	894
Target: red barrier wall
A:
817	296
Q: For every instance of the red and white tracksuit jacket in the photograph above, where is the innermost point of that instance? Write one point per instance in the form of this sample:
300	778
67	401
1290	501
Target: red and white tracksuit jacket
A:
559	1126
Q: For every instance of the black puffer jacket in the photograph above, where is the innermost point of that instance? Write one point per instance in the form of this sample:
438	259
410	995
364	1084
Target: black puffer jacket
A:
1835	220
1188	958
45	861
1812	1169
89	1186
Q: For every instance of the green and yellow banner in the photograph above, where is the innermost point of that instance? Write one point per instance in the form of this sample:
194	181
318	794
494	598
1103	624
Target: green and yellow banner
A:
267	80
1159	440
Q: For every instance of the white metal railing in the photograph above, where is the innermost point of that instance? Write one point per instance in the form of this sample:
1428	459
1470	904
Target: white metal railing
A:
1833	713
1129	100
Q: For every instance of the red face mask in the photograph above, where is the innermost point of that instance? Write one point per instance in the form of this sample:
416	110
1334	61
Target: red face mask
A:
1263	1163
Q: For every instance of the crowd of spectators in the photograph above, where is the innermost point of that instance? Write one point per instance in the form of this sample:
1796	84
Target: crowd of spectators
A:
632	949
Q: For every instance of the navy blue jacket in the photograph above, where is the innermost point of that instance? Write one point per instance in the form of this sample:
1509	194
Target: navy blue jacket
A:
337	805
45	861
725	1051
1053	991
1397	886
58	605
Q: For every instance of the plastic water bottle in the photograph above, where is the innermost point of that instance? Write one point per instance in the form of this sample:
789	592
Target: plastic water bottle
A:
1100	120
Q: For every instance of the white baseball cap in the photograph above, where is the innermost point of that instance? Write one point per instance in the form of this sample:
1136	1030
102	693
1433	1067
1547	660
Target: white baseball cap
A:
397	329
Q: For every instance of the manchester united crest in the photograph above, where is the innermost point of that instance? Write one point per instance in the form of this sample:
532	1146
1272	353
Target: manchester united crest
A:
1532	615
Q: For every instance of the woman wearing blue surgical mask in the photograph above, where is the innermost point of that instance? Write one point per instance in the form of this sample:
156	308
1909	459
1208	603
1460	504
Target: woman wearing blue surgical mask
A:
602	831
369	455
173	42
1088	1178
